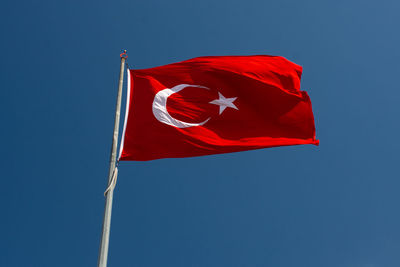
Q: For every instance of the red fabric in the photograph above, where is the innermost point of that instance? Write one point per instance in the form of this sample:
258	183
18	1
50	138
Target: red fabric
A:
271	109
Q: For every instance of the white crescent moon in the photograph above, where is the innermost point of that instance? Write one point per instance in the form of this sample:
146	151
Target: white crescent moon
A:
160	107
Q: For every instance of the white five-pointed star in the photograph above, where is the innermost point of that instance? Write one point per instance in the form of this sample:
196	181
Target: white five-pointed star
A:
224	103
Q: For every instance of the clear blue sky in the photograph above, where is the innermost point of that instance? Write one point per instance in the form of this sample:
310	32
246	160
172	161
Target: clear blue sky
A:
336	205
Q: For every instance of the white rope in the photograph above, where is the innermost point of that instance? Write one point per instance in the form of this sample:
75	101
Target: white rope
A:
113	182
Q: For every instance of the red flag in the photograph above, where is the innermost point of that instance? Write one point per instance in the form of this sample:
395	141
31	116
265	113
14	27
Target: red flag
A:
211	105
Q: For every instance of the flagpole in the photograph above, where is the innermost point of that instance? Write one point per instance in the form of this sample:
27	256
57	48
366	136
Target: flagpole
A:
112	173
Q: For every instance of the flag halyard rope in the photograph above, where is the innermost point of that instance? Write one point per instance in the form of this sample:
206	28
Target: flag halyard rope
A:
113	181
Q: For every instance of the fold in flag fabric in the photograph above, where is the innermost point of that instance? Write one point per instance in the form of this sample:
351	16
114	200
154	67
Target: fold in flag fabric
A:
212	105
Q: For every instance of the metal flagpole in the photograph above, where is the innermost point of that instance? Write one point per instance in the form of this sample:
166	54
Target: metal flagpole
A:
112	173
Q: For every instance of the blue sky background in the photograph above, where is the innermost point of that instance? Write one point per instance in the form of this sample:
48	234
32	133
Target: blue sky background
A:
336	205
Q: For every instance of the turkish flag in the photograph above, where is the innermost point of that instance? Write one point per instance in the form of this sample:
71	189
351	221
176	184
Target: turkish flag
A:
211	105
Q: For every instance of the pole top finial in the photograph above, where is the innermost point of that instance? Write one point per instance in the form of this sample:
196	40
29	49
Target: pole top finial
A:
124	54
